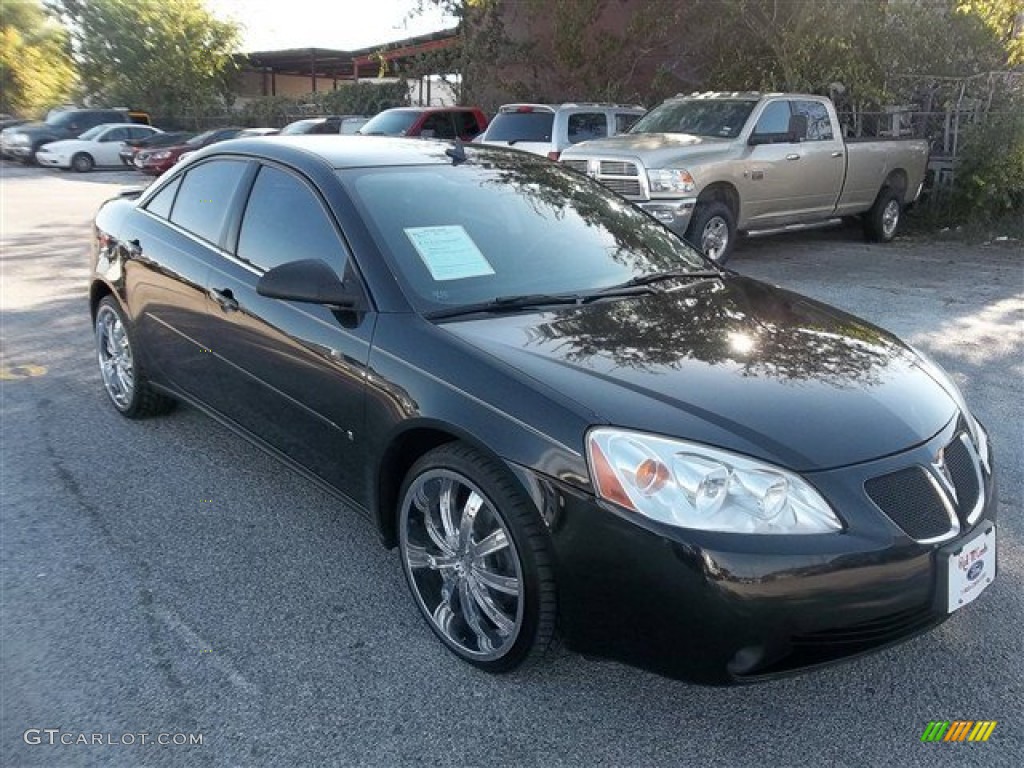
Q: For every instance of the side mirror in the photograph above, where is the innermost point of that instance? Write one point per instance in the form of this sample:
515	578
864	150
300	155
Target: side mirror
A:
797	127
310	281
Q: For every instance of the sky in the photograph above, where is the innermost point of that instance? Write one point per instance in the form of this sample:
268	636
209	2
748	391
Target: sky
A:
346	24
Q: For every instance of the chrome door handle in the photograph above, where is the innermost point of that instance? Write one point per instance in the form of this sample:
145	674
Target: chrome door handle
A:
793	157
225	298
837	154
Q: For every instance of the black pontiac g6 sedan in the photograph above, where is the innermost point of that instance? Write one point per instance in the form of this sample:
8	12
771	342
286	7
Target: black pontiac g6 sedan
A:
566	419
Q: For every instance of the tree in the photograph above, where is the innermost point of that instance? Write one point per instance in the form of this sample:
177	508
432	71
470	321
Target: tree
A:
36	71
1006	19
171	57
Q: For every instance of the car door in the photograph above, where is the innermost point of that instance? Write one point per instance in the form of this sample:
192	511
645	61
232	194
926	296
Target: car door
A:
290	373
772	178
177	236
822	160
108	145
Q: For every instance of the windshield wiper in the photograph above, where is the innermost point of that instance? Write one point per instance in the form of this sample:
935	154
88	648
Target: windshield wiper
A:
657	277
509	304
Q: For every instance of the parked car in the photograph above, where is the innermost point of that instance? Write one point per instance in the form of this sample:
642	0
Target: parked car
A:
155	161
346	124
709	165
548	129
247	133
165	139
23	143
559	412
97	147
427	122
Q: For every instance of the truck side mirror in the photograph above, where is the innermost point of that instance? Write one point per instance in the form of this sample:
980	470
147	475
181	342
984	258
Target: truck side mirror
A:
797	127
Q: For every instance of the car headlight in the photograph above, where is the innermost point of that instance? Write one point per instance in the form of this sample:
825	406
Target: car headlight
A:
978	434
18	139
670	181
691	485
158	156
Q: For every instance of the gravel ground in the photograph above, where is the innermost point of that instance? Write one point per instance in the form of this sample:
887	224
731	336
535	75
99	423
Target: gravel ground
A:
164	577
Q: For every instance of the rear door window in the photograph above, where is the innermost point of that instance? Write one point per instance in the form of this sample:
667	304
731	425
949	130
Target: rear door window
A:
466	123
438	125
819	127
205	196
625	121
584	126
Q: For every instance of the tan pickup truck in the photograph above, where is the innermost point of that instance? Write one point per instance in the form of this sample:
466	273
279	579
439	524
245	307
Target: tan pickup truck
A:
714	164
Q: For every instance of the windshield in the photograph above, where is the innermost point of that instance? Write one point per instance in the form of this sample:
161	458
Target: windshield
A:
390	123
723	118
505	224
521	126
92	133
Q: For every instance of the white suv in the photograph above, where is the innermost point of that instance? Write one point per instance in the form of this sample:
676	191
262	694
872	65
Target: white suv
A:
547	129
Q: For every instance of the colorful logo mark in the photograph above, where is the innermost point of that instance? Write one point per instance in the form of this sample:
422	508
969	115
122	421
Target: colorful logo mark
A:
958	730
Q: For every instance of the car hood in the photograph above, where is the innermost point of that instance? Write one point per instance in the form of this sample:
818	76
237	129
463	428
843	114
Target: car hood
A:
733	363
657	149
65	145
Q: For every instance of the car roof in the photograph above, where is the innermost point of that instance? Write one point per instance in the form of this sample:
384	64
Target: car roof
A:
341	151
430	109
571	105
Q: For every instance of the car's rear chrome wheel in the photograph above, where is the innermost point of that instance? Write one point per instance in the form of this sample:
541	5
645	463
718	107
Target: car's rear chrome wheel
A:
474	559
127	387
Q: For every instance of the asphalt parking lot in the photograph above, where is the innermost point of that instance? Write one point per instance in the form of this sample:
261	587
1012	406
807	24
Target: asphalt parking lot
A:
163	577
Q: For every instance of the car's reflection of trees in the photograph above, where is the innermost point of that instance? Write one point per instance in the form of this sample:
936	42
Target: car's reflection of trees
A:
762	331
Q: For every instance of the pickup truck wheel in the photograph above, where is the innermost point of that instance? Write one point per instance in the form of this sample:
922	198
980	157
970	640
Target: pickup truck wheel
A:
713	230
882	221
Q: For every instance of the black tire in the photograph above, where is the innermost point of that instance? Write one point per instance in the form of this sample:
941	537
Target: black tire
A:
712	230
82	162
31	159
883	218
125	382
439	590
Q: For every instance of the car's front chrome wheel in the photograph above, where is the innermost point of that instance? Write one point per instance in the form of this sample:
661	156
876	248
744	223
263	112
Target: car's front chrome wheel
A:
476	566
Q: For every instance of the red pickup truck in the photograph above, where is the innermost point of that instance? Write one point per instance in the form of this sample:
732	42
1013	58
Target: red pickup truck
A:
428	122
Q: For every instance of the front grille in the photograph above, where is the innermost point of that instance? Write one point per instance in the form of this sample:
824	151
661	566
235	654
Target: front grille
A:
963	473
617	168
912	501
576	165
625	187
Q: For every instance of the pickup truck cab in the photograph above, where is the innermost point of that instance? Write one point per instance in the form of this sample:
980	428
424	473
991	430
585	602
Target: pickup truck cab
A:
713	164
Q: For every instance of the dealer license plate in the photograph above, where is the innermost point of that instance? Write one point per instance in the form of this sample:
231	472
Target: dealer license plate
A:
971	567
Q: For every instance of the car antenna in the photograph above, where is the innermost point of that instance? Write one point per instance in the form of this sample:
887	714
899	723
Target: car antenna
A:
457	153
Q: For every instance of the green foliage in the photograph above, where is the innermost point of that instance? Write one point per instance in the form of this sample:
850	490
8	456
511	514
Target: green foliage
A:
36	71
990	171
1006	19
171	57
354	99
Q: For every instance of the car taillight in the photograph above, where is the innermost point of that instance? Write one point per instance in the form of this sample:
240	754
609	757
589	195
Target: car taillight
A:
553	155
524	109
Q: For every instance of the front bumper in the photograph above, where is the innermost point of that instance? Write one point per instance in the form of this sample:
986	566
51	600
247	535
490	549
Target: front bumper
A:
20	151
718	608
52	161
674	214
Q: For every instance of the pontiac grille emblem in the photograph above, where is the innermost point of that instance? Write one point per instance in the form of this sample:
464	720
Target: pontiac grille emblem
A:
942	473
